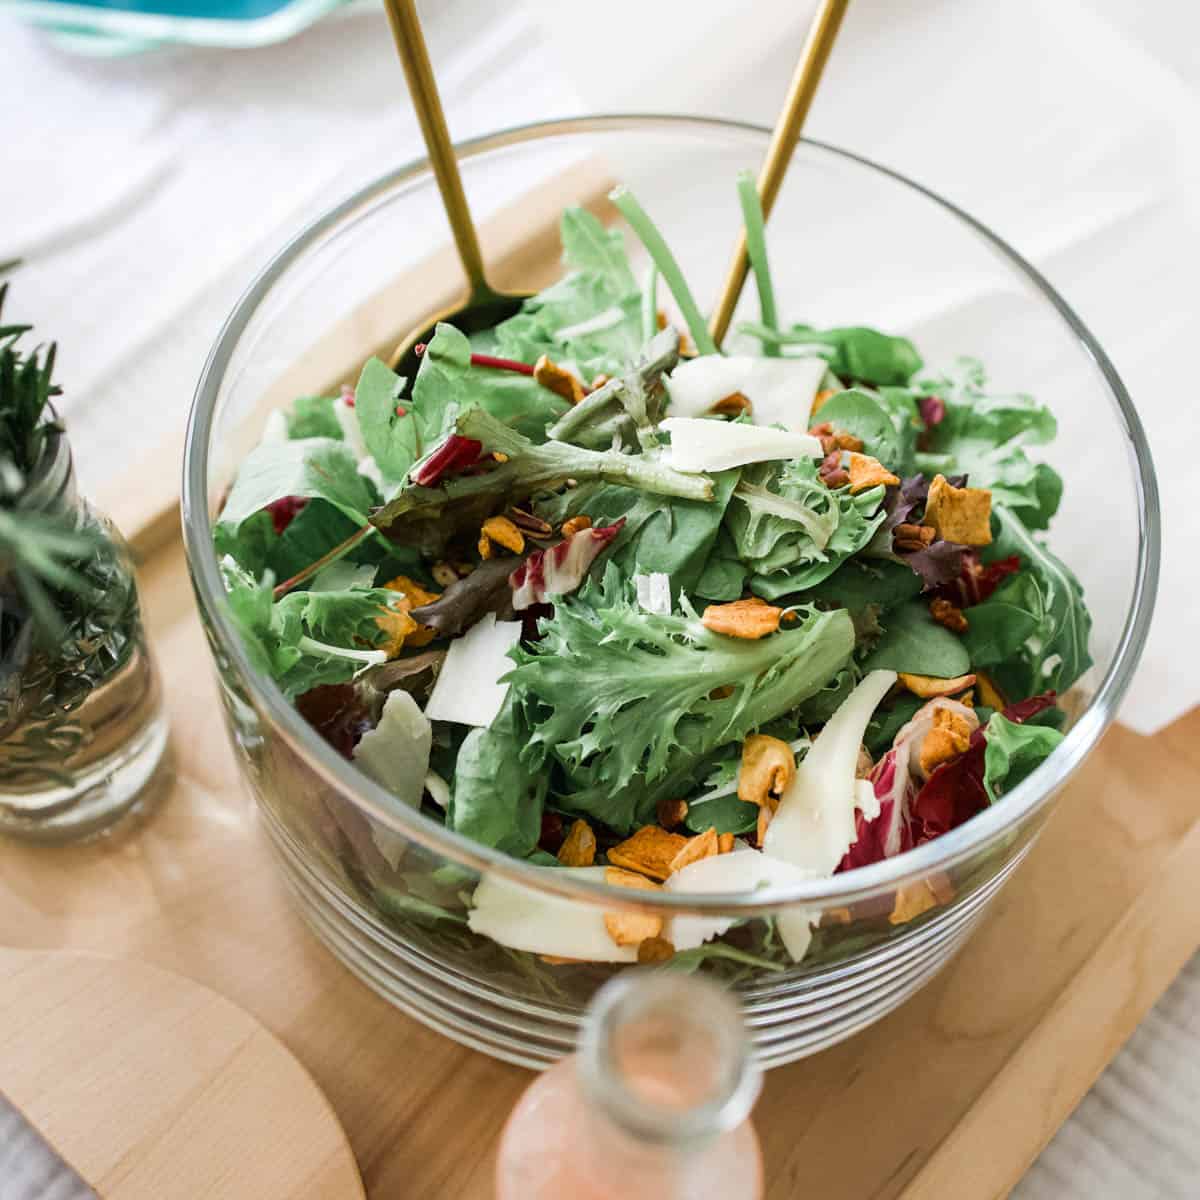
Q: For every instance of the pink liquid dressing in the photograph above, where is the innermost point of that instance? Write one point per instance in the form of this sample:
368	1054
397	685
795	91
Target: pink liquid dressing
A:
556	1145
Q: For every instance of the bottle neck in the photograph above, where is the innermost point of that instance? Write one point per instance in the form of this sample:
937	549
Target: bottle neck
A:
51	487
665	1070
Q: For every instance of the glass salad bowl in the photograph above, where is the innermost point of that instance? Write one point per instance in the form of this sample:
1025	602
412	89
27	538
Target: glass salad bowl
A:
389	890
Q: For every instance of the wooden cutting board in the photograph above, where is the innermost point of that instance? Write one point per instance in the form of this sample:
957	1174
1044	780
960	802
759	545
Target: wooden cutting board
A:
951	1097
153	1087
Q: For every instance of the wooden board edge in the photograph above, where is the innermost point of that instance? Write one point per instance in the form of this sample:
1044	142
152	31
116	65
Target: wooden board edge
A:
1079	1034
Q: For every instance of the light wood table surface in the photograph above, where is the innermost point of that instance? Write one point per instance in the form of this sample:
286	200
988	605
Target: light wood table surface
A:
951	1096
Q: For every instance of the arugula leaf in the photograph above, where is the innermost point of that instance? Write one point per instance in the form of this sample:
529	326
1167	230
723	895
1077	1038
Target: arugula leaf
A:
312	416
1014	751
724	575
856	585
497	799
392	433
854	352
1032	632
313	468
856	412
913	642
622	699
691	960
590	316
675	537
984	436
727	814
792	531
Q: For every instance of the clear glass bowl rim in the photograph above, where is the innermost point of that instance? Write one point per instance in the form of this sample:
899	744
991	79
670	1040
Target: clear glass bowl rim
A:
375	802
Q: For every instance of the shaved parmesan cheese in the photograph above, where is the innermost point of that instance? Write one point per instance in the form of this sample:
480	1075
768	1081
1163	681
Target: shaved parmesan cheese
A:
780	390
742	870
654	593
699	444
468	688
396	752
524	919
815	824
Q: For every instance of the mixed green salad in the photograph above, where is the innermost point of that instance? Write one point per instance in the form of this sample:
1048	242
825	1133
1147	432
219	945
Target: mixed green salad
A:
597	594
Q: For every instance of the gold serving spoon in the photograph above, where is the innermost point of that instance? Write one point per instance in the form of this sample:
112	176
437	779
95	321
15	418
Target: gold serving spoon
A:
786	134
484	305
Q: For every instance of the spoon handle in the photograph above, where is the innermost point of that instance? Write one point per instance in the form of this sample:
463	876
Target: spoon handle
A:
422	87
786	134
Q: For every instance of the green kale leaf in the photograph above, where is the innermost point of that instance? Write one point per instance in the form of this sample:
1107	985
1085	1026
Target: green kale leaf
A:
309	638
791	531
621	700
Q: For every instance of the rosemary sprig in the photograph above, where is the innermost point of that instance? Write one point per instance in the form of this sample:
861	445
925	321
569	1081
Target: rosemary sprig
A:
39	552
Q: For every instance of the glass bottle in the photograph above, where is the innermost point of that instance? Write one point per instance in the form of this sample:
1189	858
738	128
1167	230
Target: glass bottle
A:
656	1102
82	727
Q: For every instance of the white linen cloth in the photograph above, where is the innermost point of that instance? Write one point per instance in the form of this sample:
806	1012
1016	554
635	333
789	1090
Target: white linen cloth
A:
145	193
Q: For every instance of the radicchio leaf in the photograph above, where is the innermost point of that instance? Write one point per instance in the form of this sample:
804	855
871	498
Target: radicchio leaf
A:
977	582
895	782
285	510
932	410
452	456
338	713
559	570
954	793
938	563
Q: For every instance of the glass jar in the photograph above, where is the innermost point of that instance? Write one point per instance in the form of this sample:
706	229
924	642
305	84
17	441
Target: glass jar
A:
389	889
82	728
656	1104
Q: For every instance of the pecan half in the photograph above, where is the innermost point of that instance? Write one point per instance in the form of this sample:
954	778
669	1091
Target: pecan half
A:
671	812
831	472
748	619
528	523
948	615
655	950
